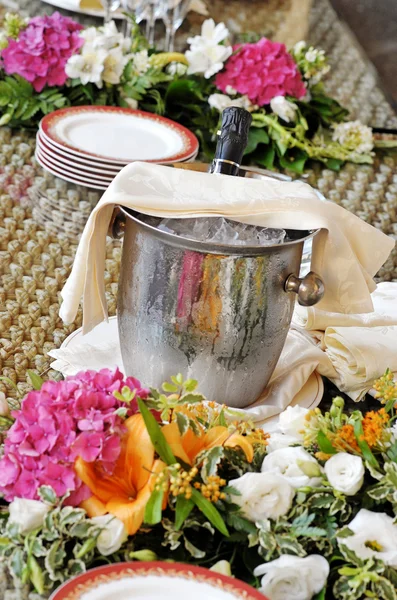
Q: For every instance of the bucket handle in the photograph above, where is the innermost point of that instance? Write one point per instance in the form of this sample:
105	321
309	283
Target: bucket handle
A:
310	289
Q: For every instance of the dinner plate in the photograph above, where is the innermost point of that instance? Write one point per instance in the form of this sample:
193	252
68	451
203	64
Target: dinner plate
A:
86	162
118	135
70	159
152	581
62	175
77	170
83	10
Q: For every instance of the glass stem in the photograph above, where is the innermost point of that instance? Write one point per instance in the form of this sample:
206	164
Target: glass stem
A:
150	24
106	8
171	39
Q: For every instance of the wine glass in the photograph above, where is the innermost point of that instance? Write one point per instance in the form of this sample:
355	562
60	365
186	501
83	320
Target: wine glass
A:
173	15
144	9
138	7
109	6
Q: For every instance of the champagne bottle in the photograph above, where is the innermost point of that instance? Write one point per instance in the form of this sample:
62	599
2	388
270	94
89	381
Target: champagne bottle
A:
232	141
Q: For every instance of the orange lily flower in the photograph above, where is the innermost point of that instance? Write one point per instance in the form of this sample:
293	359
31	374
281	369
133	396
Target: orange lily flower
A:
187	446
127	490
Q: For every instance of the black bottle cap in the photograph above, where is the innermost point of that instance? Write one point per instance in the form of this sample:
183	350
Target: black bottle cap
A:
233	137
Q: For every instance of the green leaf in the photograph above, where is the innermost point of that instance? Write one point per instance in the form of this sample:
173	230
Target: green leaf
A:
212	458
210	512
289	545
47	494
6	118
37	548
391	471
257	135
334	164
192	398
384	588
156	435
183	508
345	532
182	422
35	379
380	492
190	385
365	449
350	556
324	444
169	387
294	161
36	574
266	157
239	523
17	563
154	507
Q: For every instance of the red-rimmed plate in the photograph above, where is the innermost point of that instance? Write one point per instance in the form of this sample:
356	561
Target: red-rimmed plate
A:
118	135
58	172
73	160
76	170
154	581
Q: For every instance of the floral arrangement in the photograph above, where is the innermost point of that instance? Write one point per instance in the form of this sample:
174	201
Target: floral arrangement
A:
51	62
97	469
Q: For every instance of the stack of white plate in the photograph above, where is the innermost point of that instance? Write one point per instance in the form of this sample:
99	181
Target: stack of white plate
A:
89	145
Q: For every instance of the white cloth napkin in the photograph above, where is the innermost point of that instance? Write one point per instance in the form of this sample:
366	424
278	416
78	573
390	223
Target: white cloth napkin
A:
346	253
360	346
384	300
360	355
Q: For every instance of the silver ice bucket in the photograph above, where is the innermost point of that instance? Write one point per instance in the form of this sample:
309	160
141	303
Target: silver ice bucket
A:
219	314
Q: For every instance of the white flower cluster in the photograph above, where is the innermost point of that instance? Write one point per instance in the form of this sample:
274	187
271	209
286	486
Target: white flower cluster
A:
311	61
102	58
207	53
354	136
269	495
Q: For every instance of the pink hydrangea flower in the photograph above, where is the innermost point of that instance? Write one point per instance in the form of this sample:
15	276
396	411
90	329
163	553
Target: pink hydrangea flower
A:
64	420
262	71
40	53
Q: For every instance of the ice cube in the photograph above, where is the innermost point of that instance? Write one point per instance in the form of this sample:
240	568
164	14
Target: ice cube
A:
268	236
223	232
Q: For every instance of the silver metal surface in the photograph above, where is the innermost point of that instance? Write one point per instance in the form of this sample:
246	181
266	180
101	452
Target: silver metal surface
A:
310	289
217	313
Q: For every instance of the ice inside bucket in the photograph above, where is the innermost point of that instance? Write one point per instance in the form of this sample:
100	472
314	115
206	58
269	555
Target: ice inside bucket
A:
207	299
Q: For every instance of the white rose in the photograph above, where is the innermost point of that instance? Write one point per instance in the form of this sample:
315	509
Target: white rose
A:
284	108
27	514
375	536
295	465
292	421
112	536
293	577
345	472
263	496
280	440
